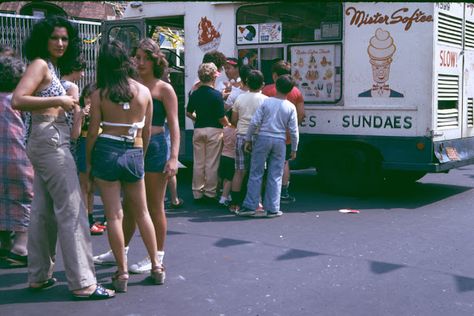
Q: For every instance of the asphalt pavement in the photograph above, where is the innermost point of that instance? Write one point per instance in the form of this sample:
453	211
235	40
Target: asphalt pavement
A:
407	252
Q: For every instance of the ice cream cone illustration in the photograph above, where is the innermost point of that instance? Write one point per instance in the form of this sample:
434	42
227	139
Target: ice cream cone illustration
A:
208	36
381	50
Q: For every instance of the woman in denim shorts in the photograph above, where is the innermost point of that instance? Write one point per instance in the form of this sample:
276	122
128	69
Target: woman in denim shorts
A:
115	157
160	162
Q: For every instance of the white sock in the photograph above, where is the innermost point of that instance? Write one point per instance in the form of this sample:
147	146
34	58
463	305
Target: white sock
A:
160	255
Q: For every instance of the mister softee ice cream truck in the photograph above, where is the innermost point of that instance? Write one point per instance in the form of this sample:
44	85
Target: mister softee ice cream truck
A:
388	87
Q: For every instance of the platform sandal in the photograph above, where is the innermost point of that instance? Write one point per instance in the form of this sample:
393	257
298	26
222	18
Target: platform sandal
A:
120	281
158	275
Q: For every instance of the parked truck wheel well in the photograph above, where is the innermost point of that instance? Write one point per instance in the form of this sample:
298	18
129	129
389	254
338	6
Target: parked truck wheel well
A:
347	167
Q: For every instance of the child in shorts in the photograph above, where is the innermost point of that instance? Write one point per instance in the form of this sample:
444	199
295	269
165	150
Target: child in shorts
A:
227	163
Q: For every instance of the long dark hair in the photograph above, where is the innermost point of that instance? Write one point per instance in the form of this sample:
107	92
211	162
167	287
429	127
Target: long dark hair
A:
152	50
113	72
37	44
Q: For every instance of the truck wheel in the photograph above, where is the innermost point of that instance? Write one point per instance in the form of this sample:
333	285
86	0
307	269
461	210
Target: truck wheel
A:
352	171
396	177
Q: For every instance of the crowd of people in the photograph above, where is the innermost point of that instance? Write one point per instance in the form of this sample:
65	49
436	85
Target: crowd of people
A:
120	135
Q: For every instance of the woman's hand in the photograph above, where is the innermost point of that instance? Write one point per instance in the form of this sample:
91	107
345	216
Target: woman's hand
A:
171	167
85	110
67	102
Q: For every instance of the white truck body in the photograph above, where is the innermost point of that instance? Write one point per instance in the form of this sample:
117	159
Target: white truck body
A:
389	85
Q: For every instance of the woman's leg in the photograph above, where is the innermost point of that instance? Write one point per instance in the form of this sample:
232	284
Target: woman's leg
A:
135	194
155	194
110	194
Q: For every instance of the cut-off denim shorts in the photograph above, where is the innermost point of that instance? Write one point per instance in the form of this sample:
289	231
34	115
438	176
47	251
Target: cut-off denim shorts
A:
157	153
115	160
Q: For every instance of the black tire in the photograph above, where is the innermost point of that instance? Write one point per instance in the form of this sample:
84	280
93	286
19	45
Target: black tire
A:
350	171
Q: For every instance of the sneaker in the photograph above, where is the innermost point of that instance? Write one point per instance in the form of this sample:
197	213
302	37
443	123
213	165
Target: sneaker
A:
287	198
96	230
107	258
273	214
143	266
244	211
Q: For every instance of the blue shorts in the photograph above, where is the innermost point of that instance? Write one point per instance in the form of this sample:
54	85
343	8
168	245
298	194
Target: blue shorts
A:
157	153
81	154
115	160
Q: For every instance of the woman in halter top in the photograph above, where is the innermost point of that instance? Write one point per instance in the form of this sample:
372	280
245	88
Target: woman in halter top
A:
57	211
160	161
124	107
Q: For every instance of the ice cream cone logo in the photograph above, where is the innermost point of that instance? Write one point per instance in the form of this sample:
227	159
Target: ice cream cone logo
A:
381	50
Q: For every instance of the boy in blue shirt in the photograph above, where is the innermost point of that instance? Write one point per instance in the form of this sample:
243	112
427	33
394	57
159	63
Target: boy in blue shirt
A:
271	119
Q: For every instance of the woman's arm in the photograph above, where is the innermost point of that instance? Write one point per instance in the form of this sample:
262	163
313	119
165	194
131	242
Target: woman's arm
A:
146	131
170	101
23	96
78	114
93	130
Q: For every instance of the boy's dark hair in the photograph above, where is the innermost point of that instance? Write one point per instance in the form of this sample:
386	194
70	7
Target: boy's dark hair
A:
215	57
113	71
11	70
244	72
284	84
255	80
281	68
86	92
36	46
77	65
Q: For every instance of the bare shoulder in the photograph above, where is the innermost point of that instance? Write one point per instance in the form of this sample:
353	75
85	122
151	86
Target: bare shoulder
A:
38	66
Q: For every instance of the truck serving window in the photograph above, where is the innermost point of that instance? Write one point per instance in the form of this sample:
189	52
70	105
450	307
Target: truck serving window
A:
300	21
306	34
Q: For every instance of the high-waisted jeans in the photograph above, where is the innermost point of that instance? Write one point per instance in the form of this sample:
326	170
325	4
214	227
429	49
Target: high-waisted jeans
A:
57	211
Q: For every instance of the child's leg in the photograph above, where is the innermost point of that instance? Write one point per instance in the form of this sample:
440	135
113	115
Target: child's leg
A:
226	188
276	164
260	153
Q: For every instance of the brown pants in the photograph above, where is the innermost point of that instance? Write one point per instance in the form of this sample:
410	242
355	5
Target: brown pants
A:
57	211
207	147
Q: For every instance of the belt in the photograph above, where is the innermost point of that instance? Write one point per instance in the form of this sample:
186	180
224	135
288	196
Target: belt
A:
136	141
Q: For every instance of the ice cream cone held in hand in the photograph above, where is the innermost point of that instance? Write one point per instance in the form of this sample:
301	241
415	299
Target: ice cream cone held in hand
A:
381	50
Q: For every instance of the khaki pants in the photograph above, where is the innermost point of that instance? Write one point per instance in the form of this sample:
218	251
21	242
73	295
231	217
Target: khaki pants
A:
207	147
57	211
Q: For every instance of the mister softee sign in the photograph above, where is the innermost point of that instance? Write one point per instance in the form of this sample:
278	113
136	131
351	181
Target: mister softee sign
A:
403	15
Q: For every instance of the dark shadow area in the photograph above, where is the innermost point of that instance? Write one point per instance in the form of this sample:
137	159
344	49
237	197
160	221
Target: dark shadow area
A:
297	254
227	242
173	232
464	284
58	293
378	267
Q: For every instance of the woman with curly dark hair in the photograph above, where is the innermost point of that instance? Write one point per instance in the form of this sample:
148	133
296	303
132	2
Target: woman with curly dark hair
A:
115	158
57	211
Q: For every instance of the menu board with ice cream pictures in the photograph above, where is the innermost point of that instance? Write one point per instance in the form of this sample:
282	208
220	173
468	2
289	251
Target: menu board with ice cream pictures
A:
314	69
